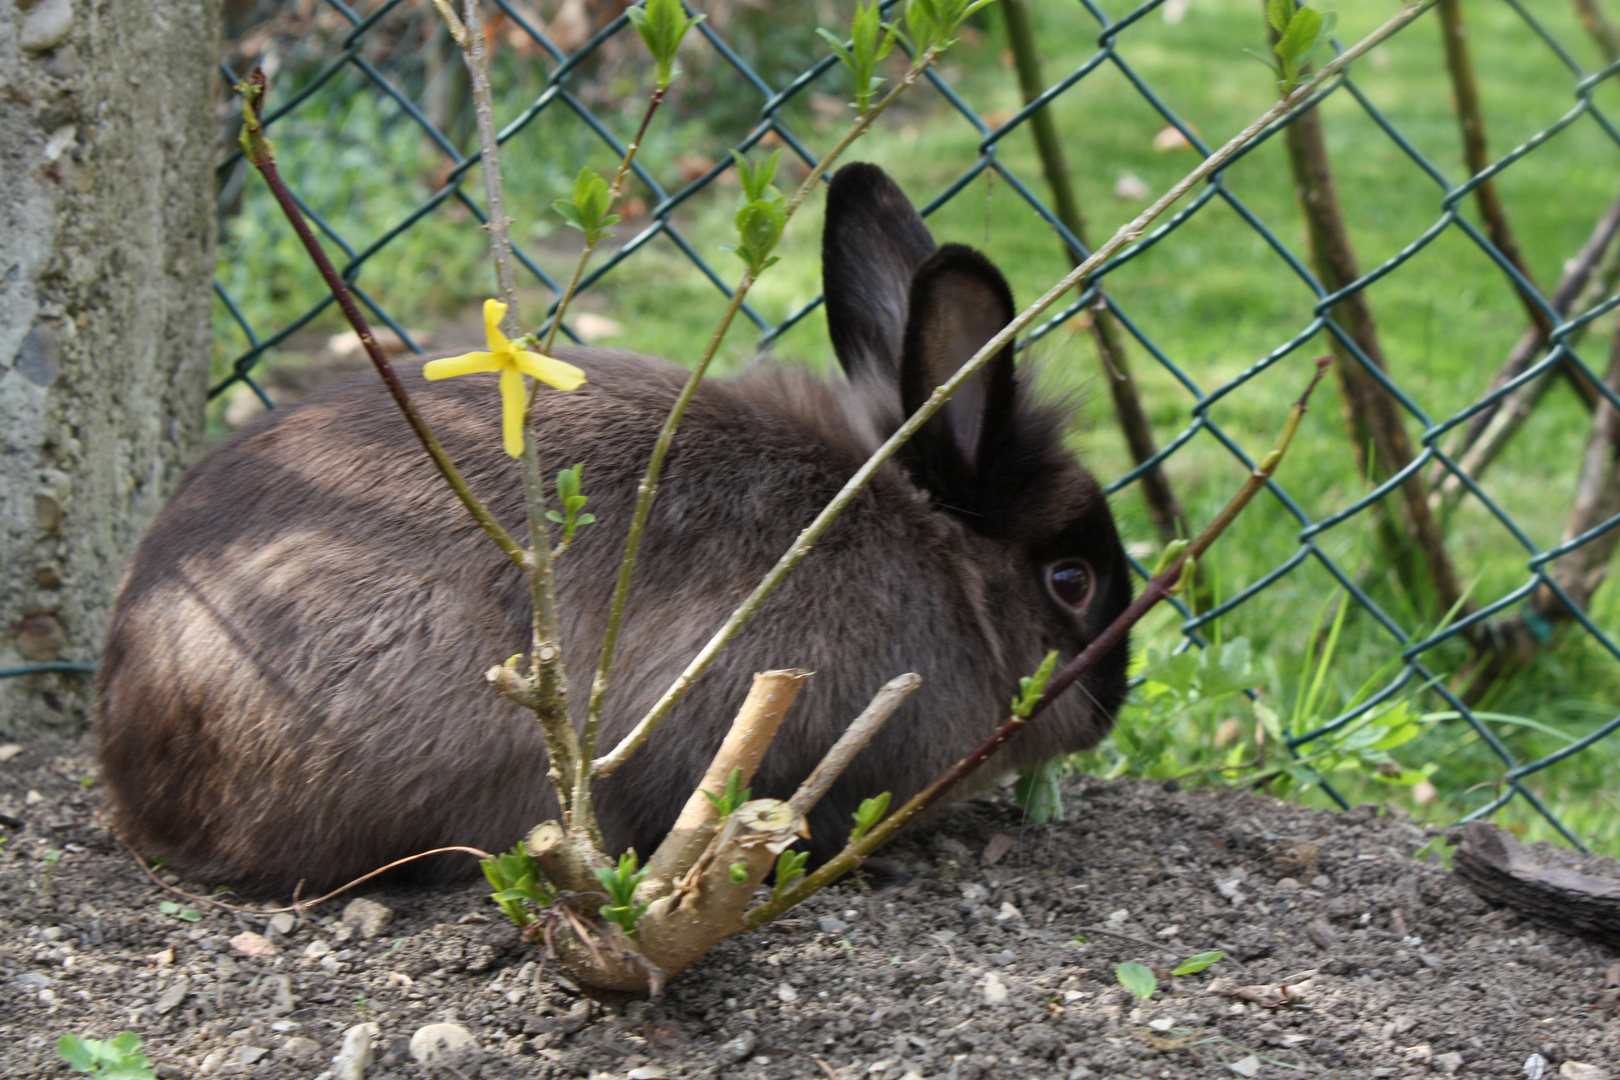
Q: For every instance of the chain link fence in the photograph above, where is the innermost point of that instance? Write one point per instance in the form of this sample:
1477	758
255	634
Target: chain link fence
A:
1189	419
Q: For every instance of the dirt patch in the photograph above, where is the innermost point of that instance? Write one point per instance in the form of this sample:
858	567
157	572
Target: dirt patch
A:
967	970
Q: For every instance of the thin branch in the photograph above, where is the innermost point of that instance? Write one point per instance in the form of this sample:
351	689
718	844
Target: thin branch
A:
1477	158
1127	234
860	732
1587	278
550	680
1376	429
500	244
1597	499
648	489
1162	505
1597	24
615	191
262	156
1158	589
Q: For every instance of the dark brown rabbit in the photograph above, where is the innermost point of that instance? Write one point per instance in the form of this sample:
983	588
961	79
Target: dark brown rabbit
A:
293	685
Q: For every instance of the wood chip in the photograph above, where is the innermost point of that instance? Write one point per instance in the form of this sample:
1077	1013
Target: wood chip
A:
1505	872
1290	991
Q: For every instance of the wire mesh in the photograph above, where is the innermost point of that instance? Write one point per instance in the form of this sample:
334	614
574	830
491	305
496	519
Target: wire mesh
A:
1409	647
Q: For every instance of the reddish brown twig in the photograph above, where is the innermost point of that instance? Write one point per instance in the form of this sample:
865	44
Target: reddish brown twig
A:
263	158
1161	587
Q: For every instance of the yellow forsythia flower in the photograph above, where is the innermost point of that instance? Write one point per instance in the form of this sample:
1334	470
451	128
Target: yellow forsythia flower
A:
513	364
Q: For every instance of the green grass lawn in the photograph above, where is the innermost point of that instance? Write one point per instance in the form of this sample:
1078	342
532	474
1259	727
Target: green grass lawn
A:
1213	298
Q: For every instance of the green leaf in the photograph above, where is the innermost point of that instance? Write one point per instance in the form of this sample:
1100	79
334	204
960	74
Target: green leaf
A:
732	797
756	180
1278	12
1140	981
78	1053
789	868
587	211
1031	688
1198	963
869	813
662	24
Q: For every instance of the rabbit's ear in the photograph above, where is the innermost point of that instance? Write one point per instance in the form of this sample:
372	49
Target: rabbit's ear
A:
959	300
872	244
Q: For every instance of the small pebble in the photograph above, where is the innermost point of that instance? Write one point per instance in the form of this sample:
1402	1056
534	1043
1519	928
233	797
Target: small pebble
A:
368	916
355	1056
283	922
738	1049
438	1044
1246	1066
787	993
255	946
1580	1070
830	925
298	1048
249	1055
1008	913
995	991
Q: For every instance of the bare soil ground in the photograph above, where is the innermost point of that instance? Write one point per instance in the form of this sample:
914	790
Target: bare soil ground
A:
1349	956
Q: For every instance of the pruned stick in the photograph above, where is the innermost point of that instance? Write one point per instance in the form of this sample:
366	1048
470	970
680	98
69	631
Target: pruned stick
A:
568	866
1161	587
768	701
854	740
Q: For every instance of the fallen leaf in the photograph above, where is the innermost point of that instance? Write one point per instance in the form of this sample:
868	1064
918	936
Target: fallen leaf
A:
162	958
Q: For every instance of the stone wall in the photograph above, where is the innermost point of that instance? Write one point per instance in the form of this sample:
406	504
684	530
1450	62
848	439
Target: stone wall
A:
108	137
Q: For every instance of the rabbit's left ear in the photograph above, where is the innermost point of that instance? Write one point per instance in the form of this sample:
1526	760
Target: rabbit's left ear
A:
959	300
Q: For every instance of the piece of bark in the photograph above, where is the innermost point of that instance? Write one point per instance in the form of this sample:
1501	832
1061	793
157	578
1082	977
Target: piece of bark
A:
1503	871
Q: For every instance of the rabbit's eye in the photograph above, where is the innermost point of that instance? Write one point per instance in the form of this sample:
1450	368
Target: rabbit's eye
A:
1069	581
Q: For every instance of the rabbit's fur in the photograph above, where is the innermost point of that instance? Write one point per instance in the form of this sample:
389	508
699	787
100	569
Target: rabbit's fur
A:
293	685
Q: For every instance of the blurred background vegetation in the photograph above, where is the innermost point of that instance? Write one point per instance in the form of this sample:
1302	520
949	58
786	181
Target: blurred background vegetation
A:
1214	297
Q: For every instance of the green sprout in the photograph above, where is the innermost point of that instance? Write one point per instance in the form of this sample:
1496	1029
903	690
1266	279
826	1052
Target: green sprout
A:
1301	34
621	883
573	502
763	216
869	813
871	39
175	911
516	880
1031	688
738	872
119	1058
1136	978
734	795
789	868
1194	964
931	23
662	24
587	211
